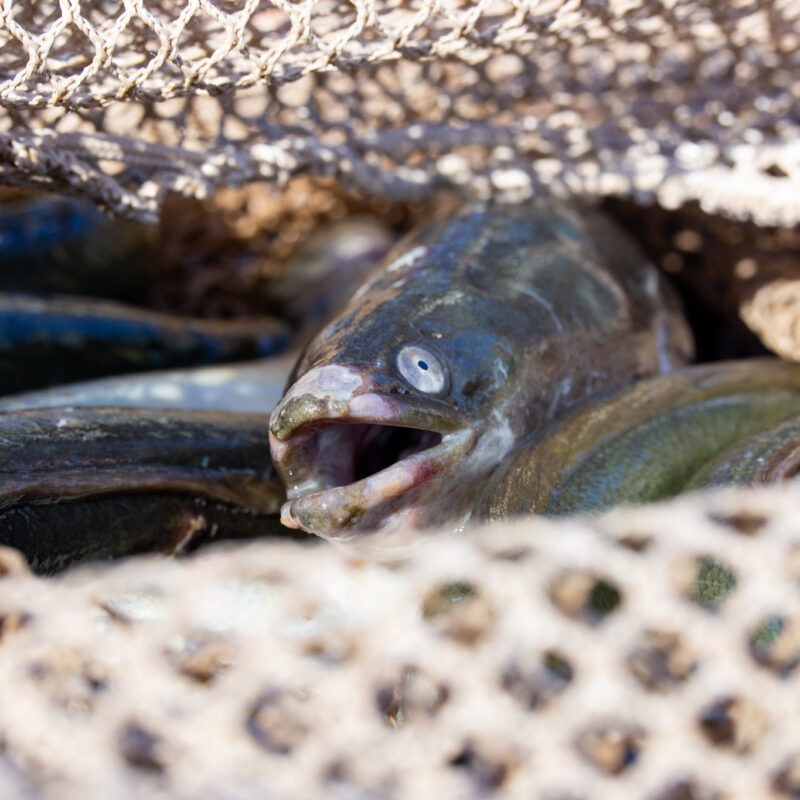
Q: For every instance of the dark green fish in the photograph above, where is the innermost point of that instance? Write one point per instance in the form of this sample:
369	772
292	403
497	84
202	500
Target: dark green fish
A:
61	245
472	334
771	456
48	341
97	483
644	443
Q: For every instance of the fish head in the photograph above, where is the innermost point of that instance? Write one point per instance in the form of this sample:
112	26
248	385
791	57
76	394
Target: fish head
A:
394	413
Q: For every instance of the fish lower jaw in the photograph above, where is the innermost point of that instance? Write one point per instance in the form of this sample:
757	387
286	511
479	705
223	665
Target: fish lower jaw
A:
345	512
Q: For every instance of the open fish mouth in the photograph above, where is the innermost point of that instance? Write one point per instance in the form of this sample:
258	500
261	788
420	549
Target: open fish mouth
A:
348	453
353	471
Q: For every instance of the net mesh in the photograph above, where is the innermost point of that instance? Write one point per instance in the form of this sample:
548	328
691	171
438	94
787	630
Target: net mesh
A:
653	653
657	100
649	654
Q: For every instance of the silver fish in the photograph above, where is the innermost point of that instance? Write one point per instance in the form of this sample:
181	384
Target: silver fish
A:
250	387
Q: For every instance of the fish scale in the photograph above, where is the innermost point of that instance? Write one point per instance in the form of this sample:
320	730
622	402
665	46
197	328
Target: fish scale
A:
769	456
647	441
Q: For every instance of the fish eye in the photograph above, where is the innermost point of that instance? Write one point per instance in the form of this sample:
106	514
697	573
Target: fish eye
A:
422	369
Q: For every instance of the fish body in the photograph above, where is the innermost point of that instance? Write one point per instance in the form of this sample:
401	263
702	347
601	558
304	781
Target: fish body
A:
250	387
645	442
46	341
770	456
54	537
97	483
472	334
66	246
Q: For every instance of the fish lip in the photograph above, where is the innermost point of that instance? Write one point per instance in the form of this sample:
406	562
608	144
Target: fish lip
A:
369	408
328	512
428	413
324	511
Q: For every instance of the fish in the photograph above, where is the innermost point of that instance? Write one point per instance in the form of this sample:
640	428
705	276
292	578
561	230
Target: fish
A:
62	245
119	465
645	442
89	483
56	537
473	332
46	341
248	387
326	269
768	457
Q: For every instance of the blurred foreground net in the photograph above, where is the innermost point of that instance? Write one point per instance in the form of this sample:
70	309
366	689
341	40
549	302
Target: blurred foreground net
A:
651	99
651	654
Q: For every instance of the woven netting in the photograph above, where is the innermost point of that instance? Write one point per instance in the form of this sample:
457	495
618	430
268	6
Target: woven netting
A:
649	654
653	99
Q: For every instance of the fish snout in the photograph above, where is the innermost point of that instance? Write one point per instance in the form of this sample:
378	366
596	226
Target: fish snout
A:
293	412
321	393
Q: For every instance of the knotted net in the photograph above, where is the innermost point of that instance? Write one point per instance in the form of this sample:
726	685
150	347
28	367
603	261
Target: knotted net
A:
650	654
653	99
653	654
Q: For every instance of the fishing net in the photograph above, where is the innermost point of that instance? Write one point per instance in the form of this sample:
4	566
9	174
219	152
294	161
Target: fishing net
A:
648	654
651	99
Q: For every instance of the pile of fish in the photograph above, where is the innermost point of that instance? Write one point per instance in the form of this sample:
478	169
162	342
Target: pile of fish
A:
504	360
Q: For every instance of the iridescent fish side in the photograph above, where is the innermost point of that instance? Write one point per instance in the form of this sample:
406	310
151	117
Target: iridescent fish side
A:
46	341
61	245
664	435
472	334
770	456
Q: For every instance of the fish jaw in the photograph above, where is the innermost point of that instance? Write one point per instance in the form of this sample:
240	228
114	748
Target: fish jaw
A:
332	422
411	492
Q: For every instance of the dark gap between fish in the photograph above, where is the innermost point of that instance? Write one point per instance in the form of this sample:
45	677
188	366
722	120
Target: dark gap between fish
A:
350	452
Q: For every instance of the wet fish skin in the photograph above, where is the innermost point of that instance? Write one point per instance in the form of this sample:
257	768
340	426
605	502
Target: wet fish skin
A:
770	456
250	387
50	454
643	443
63	245
49	341
528	308
56	536
70	475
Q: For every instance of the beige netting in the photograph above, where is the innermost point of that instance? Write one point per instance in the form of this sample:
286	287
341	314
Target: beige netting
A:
652	654
654	99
